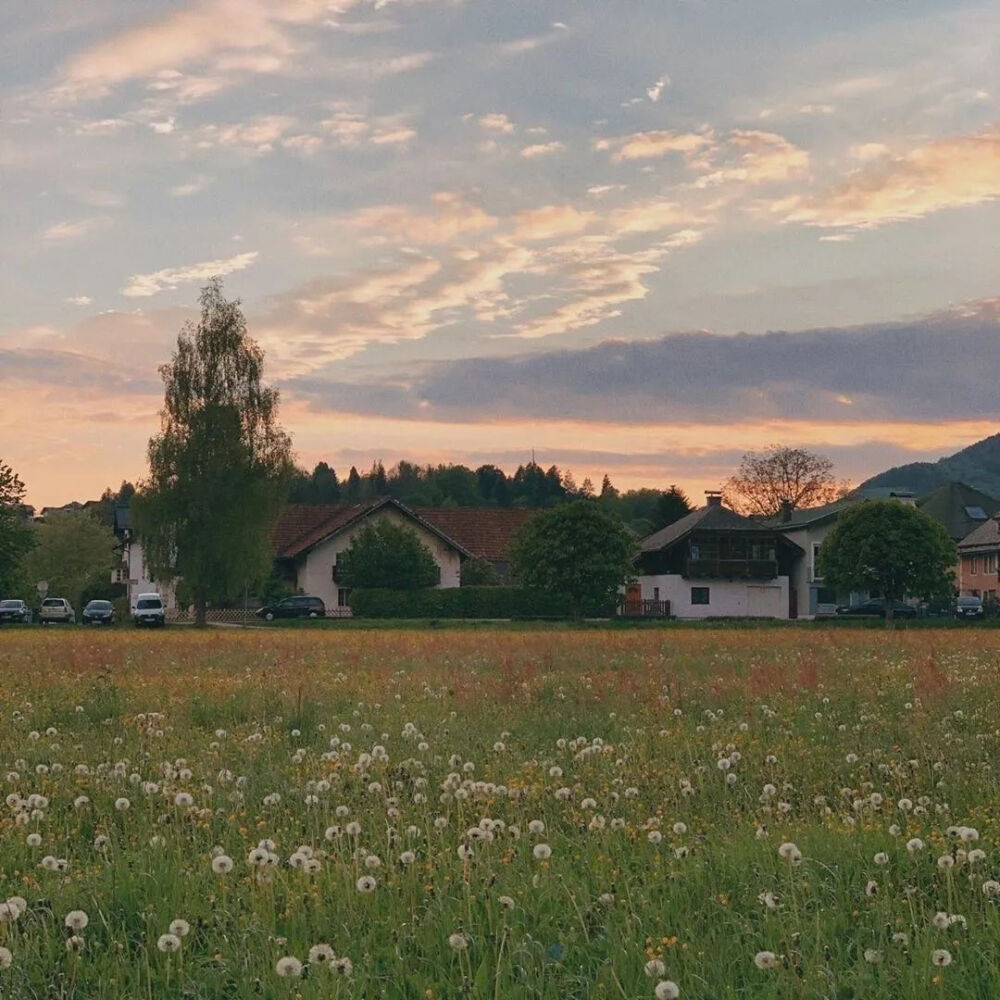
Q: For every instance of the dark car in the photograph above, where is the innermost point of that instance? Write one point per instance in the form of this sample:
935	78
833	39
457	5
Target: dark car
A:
875	608
15	611
99	613
294	607
967	608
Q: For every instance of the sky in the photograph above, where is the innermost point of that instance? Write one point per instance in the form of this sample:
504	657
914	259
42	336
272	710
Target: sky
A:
638	237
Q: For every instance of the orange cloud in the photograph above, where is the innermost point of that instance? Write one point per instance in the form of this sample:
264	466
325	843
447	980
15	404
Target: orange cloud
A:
947	173
648	145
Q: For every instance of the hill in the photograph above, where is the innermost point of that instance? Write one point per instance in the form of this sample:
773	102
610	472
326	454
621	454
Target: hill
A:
978	465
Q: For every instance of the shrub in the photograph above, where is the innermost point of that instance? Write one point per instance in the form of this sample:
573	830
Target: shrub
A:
464	602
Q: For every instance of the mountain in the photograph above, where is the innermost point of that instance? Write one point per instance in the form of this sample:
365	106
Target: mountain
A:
978	466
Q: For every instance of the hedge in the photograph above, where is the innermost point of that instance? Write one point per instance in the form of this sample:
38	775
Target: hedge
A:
463	602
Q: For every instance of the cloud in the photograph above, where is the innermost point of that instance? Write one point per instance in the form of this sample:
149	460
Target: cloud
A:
496	122
79	300
650	145
655	92
257	135
144	285
191	187
453	215
542	149
549	221
939	367
399	136
753	157
196	32
946	173
73	229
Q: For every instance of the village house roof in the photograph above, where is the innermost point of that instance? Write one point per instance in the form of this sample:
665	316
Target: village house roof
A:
485	532
713	517
959	507
985	537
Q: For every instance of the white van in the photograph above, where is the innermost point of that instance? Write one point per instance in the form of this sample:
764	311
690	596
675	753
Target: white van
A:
148	610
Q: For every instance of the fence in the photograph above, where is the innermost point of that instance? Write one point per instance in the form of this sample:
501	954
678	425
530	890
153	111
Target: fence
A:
644	609
235	616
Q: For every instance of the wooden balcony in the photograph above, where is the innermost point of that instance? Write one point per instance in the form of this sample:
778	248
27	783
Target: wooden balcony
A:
632	608
731	569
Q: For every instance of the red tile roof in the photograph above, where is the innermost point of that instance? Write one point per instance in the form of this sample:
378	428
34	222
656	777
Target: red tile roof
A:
485	532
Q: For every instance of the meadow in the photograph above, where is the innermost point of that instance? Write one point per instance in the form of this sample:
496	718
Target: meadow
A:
550	814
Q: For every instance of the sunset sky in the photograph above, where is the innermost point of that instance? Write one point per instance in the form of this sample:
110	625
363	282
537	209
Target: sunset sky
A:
637	236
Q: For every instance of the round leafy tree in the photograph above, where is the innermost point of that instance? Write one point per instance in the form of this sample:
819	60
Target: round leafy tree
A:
386	554
579	550
890	547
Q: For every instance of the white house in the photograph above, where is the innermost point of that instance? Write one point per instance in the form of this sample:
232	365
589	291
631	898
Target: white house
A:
133	573
716	563
309	559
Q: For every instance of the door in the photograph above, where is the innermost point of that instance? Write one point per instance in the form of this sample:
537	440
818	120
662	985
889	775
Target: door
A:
793	603
633	599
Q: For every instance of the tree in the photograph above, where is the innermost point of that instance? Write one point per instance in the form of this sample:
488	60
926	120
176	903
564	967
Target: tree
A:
479	572
889	547
220	465
74	553
767	478
386	554
16	536
578	550
671	507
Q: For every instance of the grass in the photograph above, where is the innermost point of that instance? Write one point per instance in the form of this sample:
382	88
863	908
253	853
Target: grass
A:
846	743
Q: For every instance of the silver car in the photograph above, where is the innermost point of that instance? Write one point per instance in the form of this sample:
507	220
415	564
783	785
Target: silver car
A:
57	609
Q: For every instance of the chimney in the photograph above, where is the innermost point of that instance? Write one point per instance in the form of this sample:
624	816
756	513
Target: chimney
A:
713	498
785	510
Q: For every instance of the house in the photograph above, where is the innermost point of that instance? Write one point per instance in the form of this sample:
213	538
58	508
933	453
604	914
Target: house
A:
959	507
132	572
807	528
979	560
308	540
717	563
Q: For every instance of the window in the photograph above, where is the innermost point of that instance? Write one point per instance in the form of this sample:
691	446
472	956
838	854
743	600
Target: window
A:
699	595
333	571
976	513
344	597
656	593
815	565
974	566
826	595
990	563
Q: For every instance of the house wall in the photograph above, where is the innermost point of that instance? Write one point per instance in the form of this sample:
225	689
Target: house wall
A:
805	579
977	574
727	598
314	571
141	582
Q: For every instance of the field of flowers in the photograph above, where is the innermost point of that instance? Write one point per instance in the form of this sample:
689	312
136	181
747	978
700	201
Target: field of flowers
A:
551	814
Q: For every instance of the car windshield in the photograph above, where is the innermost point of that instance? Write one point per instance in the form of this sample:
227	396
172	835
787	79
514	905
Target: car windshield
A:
148	603
969	602
99	606
9	604
52	602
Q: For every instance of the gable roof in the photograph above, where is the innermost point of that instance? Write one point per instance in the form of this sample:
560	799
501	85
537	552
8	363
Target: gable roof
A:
949	504
713	517
987	535
485	531
339	518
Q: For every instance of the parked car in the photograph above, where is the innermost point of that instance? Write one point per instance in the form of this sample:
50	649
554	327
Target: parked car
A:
15	611
300	606
967	608
57	609
98	613
876	608
149	610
